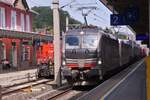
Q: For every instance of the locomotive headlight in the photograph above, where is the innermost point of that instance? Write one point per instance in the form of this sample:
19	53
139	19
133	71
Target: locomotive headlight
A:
64	63
69	68
81	32
99	62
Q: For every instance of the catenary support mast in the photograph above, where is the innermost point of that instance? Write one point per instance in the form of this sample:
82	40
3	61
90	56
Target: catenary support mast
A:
56	30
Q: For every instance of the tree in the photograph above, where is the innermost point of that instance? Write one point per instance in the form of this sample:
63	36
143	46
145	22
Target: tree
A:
45	18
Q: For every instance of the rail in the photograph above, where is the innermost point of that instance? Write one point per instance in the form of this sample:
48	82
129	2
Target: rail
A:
17	88
28	76
53	94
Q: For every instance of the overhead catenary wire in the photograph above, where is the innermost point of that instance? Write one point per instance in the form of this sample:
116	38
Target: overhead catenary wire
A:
73	6
73	3
33	1
96	19
98	16
78	4
84	4
68	4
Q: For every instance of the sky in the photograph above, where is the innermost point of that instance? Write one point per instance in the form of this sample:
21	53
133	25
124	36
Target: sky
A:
99	17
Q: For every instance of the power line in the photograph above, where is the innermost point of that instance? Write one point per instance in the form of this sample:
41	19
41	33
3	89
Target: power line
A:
98	16
98	20
68	4
35	3
85	4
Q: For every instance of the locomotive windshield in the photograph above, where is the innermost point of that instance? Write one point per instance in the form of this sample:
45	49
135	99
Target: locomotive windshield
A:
90	41
72	42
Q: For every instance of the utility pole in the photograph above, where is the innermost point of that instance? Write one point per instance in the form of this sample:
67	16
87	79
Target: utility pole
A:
56	30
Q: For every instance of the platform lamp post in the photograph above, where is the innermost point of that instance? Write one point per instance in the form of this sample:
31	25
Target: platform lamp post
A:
56	30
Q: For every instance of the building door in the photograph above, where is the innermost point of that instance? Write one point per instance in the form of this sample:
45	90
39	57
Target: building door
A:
3	48
14	54
1	51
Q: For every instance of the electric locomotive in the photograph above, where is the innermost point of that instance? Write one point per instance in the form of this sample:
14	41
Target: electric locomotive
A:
89	54
85	51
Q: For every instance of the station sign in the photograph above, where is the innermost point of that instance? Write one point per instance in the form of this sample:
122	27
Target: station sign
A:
129	17
117	19
142	37
132	15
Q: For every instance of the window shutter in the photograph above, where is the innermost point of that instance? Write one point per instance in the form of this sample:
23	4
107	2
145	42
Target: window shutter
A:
13	20
28	23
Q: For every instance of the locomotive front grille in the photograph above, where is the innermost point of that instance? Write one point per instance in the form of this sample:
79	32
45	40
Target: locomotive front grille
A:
81	63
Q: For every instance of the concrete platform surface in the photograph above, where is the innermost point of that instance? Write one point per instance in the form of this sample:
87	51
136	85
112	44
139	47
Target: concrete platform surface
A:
9	79
130	84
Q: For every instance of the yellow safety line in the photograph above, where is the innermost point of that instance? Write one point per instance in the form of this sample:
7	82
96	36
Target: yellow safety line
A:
102	98
148	77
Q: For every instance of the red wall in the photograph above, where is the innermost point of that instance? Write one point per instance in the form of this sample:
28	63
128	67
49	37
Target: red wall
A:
8	41
8	44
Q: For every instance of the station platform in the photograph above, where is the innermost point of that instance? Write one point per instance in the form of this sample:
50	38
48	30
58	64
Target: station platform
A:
18	77
133	83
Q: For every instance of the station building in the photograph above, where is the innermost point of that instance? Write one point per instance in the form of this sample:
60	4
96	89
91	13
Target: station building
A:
17	41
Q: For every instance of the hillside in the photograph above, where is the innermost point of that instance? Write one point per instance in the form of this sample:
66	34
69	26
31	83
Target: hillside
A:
45	18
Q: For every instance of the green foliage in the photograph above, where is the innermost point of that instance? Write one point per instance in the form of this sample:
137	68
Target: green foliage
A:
45	18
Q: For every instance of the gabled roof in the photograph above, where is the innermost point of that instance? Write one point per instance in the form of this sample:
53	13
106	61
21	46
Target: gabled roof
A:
15	3
9	2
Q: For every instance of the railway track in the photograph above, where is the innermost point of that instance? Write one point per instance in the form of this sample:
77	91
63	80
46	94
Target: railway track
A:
28	85
32	89
65	93
60	94
68	94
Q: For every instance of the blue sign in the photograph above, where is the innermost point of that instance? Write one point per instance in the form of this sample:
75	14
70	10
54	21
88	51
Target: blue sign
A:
142	37
132	15
117	19
37	42
129	17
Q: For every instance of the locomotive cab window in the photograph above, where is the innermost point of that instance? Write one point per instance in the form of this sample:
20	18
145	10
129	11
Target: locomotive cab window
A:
90	41
72	42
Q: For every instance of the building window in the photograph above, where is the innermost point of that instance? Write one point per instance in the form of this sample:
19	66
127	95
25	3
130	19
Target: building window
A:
22	23
27	23
2	18
26	53
13	20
